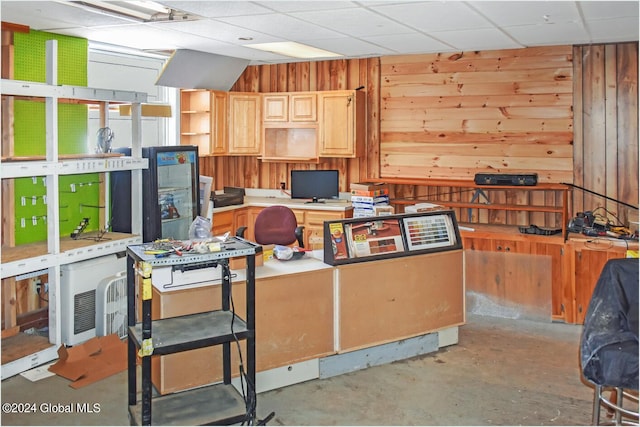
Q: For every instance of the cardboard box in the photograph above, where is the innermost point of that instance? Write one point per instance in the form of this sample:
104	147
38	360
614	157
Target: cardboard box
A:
240	263
98	358
193	368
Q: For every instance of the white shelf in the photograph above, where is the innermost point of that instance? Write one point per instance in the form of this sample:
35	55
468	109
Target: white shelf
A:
22	169
43	90
59	250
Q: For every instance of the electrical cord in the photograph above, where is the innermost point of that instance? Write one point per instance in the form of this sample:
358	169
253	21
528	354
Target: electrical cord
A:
249	396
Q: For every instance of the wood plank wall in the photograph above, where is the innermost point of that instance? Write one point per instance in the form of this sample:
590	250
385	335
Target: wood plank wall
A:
606	128
562	135
248	171
450	116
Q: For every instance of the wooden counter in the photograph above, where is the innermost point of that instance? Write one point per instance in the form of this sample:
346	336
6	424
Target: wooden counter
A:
307	310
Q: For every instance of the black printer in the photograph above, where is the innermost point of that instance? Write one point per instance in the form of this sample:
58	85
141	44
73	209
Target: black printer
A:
230	196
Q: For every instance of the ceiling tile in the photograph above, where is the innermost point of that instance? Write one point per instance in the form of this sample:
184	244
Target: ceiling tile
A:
626	29
479	39
283	26
409	43
217	30
354	22
351	47
549	34
434	16
512	13
218	9
593	10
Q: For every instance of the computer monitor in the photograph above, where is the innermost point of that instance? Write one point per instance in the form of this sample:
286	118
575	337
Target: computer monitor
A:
315	185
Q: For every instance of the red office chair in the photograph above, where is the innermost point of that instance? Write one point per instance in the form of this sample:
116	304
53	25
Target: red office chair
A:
276	225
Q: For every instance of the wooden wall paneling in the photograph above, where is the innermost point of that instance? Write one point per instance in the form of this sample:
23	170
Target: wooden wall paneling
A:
627	133
610	143
594	128
438	112
578	126
606	134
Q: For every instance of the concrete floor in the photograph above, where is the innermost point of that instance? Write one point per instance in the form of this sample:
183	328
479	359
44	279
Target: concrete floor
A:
502	372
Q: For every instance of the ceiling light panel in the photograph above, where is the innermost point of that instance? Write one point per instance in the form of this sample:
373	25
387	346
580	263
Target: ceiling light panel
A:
293	49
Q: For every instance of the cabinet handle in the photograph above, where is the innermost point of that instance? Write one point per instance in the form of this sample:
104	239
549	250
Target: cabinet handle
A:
499	248
507	249
348	101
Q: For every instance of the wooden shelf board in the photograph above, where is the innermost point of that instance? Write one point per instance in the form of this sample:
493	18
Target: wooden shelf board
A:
32	250
22	345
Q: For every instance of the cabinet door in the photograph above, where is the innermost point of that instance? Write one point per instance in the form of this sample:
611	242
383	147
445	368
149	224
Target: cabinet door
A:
275	108
561	293
314	227
303	107
195	119
341	123
222	222
244	123
219	116
589	260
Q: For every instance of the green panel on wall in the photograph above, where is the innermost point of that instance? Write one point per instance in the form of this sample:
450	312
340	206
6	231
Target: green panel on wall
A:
79	198
30	135
30	58
30	130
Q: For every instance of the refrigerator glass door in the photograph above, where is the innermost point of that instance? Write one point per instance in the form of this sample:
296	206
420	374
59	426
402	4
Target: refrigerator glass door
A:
176	180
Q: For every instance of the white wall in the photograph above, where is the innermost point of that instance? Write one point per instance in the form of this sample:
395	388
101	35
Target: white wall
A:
114	70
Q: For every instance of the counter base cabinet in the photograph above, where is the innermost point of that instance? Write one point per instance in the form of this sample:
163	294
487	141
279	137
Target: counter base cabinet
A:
515	275
587	259
541	277
410	296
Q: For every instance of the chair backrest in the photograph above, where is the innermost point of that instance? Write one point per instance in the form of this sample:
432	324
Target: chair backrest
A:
275	225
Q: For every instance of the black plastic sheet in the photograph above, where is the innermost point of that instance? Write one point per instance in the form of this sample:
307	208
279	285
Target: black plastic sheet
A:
609	343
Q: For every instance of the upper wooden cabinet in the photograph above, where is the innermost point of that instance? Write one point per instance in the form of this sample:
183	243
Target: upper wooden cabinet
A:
289	126
342	124
244	124
290	107
203	120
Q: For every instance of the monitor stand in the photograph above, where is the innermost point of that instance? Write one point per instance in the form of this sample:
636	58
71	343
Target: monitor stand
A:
315	200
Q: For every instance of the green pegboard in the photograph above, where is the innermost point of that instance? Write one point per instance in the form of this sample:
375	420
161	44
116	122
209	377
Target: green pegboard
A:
29	139
30	58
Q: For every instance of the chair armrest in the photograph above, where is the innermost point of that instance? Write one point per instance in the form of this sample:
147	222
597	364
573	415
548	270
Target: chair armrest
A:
299	232
240	231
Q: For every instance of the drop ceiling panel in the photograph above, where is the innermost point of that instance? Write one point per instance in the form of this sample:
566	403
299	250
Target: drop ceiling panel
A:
434	16
354	22
480	39
597	10
626	29
549	34
221	31
409	43
218	9
282	26
510	14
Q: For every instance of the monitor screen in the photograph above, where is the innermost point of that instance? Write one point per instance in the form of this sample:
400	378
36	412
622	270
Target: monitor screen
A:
314	184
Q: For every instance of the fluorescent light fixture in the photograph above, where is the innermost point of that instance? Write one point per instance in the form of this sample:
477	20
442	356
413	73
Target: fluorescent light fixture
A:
293	49
140	11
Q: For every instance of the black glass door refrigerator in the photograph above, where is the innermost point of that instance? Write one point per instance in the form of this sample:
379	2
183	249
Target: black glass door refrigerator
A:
170	193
